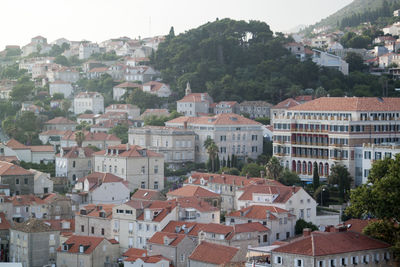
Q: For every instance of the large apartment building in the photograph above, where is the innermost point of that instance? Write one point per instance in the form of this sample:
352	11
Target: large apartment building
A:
327	130
232	133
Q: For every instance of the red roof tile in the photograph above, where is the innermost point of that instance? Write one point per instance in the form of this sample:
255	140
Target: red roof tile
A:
195	97
192	191
14	144
257	212
146	194
92	136
228	179
174	238
7	168
196	203
135	252
4	224
42	148
162	209
177	227
75	241
73	152
213	253
93	210
357	225
286	104
219	119
128	85
60	120
127	150
284	192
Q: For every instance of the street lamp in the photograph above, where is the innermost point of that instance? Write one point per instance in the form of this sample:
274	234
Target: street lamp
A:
322	191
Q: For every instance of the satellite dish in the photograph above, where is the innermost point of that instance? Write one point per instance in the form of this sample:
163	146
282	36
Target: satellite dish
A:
321	228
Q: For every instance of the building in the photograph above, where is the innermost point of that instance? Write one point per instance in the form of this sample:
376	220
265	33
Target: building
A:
157	88
92	101
332	249
23	207
20	181
177	145
60	124
366	155
102	188
4	238
197	192
74	162
325	59
280	108
34	154
141	167
87	49
41	182
213	255
233	134
147	194
132	111
327	130
296	49
192	209
53	137
61	87
140	73
59	207
99	140
120	90
80	251
255	109
194	104
279	221
94	220
33	243
154	112
64	74
226	107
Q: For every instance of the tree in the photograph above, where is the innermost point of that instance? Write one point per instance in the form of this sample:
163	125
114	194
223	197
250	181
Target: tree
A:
65	105
79	138
320	92
356	62
340	176
121	131
212	150
289	178
62	60
22	90
274	168
301	224
315	177
322	194
252	169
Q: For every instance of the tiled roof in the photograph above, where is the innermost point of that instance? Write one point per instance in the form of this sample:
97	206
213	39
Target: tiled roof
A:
357	225
93	210
135	252
284	192
127	150
98	178
14	144
227	103
56	132
99	69
192	191
86	116
120	106
163	208
175	239
154	86
73	152
60	82
88	95
213	253
146	194
4	224
33	226
286	104
128	85
25	200
149	259
329	243
303	98
193	228
58	225
7	168
250	227
256	104
92	137
351	104
219	119
257	212
89	242
227	179
60	120
195	97
111	123
41	148
196	203
10	159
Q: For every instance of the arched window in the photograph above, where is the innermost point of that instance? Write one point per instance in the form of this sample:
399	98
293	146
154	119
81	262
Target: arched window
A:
321	169
309	167
293	165
74	177
326	169
304	167
299	166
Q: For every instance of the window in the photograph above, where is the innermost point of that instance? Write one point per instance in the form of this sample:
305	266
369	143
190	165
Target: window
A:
332	263
17	181
354	260
278	260
115	169
277	236
156	169
82	228
365	259
92	230
26	181
343	261
265	238
143	170
182	257
140	226
73	164
147	227
143	185
156	185
298	263
321	263
102	231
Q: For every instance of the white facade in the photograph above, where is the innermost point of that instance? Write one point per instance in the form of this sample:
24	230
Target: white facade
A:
60	87
92	101
88	49
330	61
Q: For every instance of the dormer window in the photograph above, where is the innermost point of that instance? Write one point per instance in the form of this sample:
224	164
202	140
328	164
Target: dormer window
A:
202	181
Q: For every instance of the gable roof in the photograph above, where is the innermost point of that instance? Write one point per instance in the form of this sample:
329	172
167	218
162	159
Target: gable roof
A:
192	191
94	210
135	252
163	208
73	152
146	194
33	226
128	85
357	225
129	151
227	179
196	203
91	136
195	97
257	212
351	104
174	238
286	104
213	253
60	120
192	228
96	179
75	241
284	192
4	224
154	86
14	144
329	243
219	119
7	168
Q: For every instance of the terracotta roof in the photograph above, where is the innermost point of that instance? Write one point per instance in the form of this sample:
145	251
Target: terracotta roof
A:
56	132
196	203
195	97
135	252
14	144
213	253
41	148
146	194
4	224
250	227
120	106
98	178
284	192
357	225
329	243
93	210
155	112
154	86
192	191
351	104
86	116
99	69
111	123
174	238
193	228
128	85
227	103
127	150
7	168
60	82
149	259
162	209
90	243
303	98
87	95
92	137
227	179
286	104
33	226
219	119
73	152
257	212
60	120
10	159
25	200
58	225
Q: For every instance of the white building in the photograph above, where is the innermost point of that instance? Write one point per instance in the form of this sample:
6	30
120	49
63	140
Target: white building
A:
157	88
121	89
194	104
60	87
232	133
92	101
132	111
88	49
330	61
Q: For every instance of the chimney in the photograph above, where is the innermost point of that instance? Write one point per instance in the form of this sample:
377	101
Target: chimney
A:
262	174
185	125
127	146
306	232
268	214
293	189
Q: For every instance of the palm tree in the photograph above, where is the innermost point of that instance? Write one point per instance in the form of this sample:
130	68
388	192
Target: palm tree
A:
79	138
274	168
212	151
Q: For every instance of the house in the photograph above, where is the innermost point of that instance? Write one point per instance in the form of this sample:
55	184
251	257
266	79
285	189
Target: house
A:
194	104
279	221
53	137
193	209
296	49
59	207
99	140
4	237
132	111
6	87
106	126
140	73
61	87
356	225
31	108
332	249
388	59
92	101
198	192
177	247
121	89
33	243
91	64
88	118
135	61
21	181
20	208
226	107
64	74
94	220
177	145
123	116
141	167
42	184
66	228
80	251
280	108
233	134
147	195
147	261
157	88
87	49
74	162
325	59
38	44
35	154
97	188
213	255
60	124
96	73
154	112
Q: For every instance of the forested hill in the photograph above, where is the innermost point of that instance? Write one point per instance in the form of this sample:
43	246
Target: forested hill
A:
238	60
359	11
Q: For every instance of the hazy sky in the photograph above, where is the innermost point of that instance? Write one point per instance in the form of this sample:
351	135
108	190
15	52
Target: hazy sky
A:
98	20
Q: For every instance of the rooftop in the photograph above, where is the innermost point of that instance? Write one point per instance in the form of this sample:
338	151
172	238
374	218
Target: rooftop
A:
192	191
219	119
213	253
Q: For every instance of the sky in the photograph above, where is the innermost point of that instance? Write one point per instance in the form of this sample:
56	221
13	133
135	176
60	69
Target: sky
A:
99	20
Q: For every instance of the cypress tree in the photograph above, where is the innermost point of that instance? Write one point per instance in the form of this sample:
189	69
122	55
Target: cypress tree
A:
217	163
228	163
315	177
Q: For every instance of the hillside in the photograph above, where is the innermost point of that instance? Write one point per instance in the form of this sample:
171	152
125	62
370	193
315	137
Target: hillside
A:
356	7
